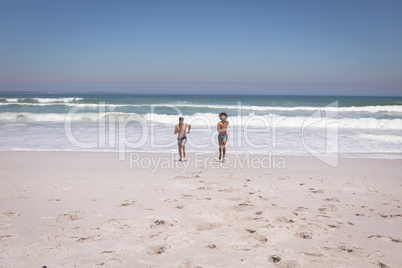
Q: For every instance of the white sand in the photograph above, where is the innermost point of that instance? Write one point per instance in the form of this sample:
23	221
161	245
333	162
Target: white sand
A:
91	210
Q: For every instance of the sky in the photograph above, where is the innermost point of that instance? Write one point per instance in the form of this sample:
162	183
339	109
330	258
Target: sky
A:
196	47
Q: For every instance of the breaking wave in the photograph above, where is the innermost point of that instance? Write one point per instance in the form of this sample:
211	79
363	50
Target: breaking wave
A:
209	119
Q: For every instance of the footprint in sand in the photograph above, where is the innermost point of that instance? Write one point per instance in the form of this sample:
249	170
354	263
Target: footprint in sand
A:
159	249
170	200
347	249
261	238
161	223
208	226
331	199
305	235
87	239
107	252
328	208
211	246
127	203
274	259
5	226
299	209
115	224
395	240
7	236
181	177
113	262
283	219
68	217
334	226
226	190
390	215
243	206
10	213
383	265
55	199
313	254
187	196
316	191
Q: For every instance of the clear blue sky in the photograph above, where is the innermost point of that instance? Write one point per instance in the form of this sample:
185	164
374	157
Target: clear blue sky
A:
241	47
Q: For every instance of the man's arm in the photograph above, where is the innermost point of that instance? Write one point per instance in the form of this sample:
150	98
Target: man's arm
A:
217	127
189	127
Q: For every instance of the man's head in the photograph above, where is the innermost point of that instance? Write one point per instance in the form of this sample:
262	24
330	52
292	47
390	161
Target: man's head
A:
223	116
181	119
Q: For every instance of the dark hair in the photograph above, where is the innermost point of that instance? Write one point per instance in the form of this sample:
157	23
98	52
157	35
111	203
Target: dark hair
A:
223	113
181	118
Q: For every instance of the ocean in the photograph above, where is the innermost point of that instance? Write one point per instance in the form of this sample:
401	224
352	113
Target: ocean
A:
282	125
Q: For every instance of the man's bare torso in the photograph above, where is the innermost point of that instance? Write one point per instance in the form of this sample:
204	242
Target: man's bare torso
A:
223	127
181	130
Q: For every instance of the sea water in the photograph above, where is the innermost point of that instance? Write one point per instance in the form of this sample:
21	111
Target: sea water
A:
288	125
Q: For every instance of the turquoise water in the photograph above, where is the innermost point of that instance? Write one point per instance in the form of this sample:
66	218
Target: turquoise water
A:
295	125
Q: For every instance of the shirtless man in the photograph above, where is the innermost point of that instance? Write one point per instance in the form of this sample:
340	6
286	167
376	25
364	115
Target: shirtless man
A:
223	135
181	128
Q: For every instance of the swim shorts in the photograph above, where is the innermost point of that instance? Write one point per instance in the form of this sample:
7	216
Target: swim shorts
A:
222	137
181	140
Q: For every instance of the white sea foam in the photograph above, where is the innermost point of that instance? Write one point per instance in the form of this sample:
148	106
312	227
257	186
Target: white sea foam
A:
52	100
35	101
369	109
210	119
385	138
72	102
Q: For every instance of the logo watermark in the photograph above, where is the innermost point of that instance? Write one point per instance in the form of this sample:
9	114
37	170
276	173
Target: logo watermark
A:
248	133
138	161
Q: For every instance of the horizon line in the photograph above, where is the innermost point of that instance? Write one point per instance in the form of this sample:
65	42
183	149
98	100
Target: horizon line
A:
188	94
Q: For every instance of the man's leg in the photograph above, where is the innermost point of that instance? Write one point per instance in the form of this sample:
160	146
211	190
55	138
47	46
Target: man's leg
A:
224	150
183	146
220	150
180	153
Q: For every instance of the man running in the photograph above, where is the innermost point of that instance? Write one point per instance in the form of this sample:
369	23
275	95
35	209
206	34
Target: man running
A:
181	128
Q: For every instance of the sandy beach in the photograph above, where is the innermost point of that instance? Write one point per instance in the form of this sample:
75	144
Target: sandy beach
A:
83	209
